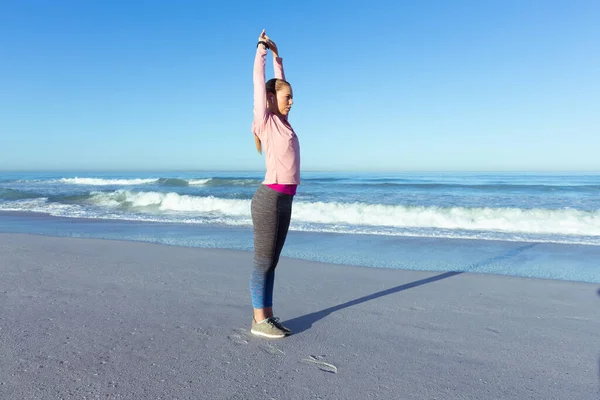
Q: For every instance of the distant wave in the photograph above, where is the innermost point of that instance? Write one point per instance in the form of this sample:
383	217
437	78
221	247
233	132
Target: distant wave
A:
233	181
194	182
105	182
207	182
383	183
172	182
483	187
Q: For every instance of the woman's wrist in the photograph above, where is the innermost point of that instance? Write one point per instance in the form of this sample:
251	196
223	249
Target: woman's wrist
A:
265	44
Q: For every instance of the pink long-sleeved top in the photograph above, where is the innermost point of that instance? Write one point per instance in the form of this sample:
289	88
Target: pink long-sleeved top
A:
279	141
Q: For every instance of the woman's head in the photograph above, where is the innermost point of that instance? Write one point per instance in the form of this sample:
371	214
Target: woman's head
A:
279	96
279	101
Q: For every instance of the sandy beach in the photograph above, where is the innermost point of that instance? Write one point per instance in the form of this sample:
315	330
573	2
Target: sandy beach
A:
89	318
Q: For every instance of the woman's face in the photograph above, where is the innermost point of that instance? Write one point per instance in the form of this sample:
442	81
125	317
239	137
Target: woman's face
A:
284	100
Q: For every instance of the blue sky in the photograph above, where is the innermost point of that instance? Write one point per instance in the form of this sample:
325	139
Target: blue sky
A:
476	85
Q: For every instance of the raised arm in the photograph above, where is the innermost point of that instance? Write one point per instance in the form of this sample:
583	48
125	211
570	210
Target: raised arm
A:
278	68
260	92
277	61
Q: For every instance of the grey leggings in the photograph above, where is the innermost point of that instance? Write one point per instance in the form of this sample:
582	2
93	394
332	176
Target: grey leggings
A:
271	214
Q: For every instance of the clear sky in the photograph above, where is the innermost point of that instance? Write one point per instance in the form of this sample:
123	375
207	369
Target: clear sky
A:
378	85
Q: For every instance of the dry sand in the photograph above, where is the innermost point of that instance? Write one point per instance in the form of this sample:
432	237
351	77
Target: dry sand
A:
87	319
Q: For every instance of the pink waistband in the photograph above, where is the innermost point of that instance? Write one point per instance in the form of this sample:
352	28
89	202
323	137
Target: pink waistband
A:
286	189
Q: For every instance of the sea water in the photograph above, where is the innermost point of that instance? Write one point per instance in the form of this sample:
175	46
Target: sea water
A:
367	219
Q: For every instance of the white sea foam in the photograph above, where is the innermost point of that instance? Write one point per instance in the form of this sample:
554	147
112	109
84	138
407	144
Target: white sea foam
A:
502	223
172	202
544	221
42	206
540	221
194	182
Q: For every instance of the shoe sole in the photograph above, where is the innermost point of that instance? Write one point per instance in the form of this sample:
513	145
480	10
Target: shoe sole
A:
258	333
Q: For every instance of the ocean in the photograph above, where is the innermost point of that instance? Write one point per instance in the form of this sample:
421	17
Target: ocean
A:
429	221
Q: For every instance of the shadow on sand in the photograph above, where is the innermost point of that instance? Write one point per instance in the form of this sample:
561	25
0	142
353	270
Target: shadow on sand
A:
305	322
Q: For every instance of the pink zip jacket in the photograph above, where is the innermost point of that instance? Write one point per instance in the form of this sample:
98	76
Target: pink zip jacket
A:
279	141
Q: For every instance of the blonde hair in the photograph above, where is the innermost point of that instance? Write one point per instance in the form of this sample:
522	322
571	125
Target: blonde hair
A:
258	144
272	86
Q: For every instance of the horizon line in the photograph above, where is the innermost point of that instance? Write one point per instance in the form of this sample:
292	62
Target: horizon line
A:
92	170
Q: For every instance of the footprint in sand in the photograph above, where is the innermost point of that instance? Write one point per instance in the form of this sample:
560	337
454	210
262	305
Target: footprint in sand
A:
237	339
320	363
201	333
492	330
240	337
269	348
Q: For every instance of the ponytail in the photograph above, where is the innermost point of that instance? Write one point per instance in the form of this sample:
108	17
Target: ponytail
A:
258	144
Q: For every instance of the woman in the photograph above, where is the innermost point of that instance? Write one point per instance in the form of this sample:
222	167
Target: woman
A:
272	203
